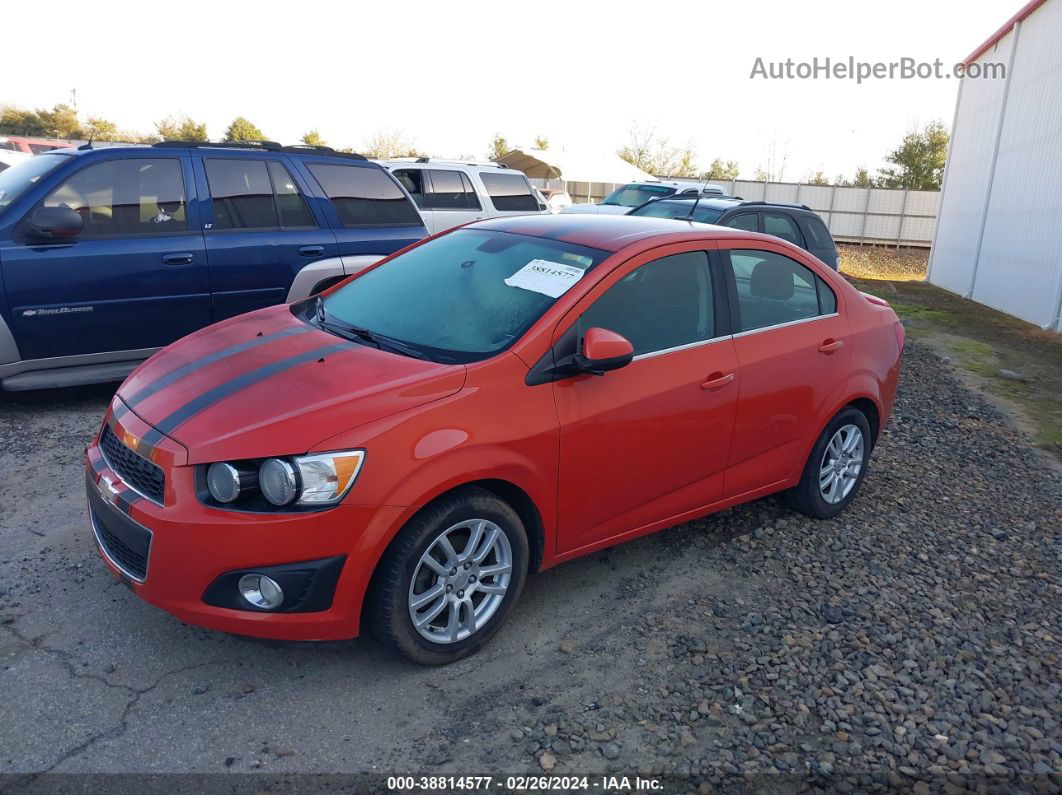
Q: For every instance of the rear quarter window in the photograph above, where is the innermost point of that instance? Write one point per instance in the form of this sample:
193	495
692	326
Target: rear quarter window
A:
509	192
364	196
817	233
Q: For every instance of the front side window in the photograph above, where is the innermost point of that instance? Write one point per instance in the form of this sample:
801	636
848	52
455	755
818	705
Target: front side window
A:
365	195
509	192
773	289
663	304
782	226
135	196
746	221
412	180
635	195
449	297
448	191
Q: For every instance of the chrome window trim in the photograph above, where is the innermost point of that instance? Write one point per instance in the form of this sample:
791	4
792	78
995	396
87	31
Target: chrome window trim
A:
784	325
112	561
687	346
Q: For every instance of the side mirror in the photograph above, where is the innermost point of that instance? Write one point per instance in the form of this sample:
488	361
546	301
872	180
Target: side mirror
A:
603	350
55	223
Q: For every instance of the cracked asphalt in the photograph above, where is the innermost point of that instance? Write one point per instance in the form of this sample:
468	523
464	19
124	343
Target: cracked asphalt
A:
631	658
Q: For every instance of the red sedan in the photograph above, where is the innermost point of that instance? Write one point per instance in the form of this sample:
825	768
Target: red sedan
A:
400	452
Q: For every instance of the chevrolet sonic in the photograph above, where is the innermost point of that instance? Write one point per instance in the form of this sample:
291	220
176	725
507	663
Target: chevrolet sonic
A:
398	453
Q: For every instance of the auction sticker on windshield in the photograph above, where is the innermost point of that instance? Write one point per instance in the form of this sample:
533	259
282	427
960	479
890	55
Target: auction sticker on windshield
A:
549	278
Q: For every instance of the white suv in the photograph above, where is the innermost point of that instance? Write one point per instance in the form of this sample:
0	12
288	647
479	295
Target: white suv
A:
635	194
450	192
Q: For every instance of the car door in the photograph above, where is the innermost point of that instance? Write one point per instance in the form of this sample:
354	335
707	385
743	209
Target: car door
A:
366	207
417	185
452	199
135	277
651	440
791	339
259	230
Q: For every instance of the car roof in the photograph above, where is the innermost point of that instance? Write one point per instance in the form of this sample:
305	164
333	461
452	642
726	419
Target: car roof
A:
609	232
727	202
214	149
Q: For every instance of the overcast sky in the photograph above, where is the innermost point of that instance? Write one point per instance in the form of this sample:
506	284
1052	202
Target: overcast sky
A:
451	74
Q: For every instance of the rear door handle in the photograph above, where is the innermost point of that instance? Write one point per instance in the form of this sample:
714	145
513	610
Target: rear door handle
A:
181	258
717	381
311	251
829	346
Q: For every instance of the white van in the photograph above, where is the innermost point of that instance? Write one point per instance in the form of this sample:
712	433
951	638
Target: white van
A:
450	192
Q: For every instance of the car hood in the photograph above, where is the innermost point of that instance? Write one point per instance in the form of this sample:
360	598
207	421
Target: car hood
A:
267	383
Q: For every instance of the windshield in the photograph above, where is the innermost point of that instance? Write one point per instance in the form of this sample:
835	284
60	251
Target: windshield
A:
18	179
679	209
464	296
633	195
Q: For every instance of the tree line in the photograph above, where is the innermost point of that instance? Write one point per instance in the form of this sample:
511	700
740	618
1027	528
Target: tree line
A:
917	163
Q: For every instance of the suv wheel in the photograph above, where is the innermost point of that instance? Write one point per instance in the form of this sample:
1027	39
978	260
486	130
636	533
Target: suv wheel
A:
450	578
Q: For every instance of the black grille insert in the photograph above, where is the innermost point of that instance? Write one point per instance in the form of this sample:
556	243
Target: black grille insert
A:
127	558
133	468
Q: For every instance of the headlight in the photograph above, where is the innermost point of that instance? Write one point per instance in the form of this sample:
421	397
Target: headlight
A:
326	477
318	480
276	478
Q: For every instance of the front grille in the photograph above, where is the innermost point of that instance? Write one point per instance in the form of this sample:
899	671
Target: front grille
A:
134	469
125	556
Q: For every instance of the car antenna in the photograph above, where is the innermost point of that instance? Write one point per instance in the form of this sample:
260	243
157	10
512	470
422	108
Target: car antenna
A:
694	207
86	146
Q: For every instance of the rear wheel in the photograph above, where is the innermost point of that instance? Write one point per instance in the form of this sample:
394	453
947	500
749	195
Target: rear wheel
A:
450	578
836	467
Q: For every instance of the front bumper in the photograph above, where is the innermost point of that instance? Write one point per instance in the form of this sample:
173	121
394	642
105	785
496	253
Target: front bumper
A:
187	548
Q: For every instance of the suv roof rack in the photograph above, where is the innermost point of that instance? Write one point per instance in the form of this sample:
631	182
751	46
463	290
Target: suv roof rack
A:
269	146
490	163
783	204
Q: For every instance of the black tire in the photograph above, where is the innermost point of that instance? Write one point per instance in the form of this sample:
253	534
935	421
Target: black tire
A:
806	496
388	610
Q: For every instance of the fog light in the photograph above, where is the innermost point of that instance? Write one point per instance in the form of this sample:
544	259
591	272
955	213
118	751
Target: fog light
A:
261	591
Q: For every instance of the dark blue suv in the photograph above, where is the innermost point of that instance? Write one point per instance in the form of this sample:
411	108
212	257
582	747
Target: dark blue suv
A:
108	254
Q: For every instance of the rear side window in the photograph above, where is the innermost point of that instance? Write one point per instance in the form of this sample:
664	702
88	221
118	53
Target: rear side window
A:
134	196
782	226
773	289
509	192
291	206
243	197
365	196
451	190
818	234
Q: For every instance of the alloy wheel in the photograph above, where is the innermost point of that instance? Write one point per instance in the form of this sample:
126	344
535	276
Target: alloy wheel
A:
841	464
460	581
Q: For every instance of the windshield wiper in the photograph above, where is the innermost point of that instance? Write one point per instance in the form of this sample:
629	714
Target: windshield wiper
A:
356	334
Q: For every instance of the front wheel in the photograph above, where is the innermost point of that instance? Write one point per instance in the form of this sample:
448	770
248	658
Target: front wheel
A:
450	578
836	467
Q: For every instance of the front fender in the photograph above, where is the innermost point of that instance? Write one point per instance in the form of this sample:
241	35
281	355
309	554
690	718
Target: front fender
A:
8	348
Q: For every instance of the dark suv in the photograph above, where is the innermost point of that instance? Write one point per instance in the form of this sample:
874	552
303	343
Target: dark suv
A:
793	222
108	254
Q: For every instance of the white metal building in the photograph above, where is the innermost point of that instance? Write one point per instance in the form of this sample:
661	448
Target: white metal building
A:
999	230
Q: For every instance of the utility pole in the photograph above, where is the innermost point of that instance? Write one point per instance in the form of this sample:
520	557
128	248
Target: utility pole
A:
73	98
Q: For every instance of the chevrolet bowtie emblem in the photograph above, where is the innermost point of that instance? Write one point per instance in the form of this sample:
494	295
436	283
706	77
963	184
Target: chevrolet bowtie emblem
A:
108	490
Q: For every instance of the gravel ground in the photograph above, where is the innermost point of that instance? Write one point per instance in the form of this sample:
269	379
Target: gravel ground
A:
911	643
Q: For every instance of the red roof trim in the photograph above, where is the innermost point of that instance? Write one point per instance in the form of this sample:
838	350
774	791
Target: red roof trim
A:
1026	9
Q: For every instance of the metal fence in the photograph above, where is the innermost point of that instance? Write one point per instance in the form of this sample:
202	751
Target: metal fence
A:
853	214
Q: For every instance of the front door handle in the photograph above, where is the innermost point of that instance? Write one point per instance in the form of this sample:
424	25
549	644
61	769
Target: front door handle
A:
181	258
829	346
311	251
718	381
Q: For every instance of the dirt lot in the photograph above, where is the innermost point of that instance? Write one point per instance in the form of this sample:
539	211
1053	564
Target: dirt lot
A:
913	642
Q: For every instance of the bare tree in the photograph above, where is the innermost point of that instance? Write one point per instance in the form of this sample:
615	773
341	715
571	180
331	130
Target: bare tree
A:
390	143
